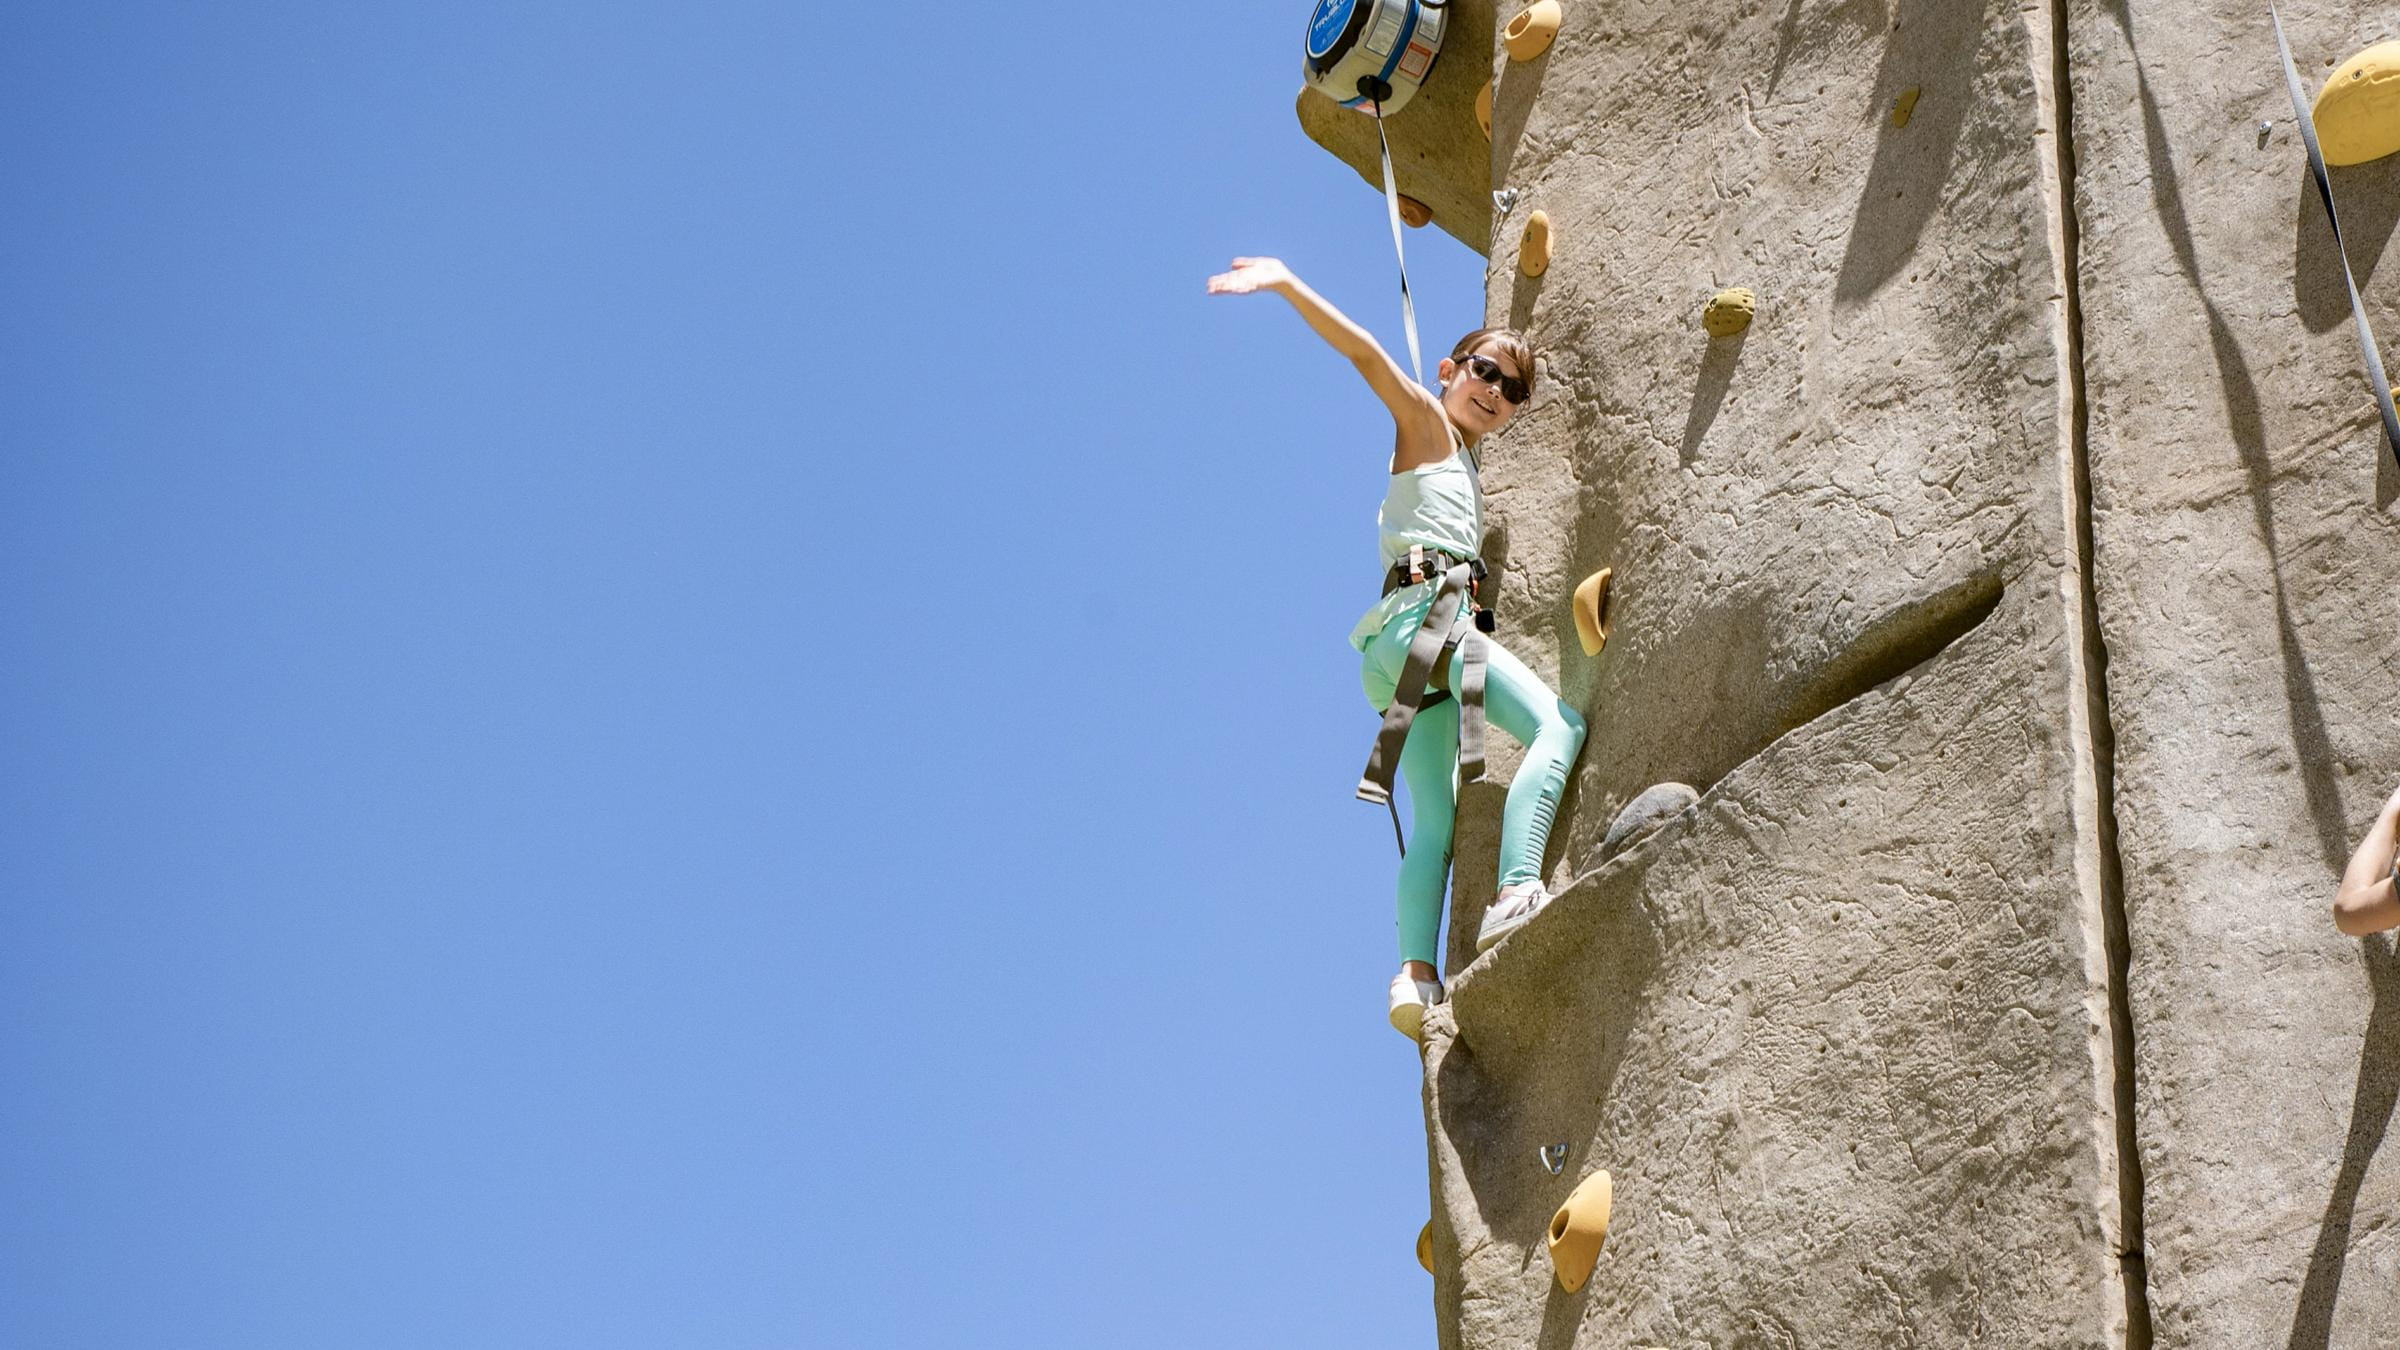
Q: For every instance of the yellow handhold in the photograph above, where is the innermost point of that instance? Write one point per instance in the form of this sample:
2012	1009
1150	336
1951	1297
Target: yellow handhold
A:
2358	111
1533	252
1483	109
1528	35
1578	1229
1591	611
1415	213
1904	107
1425	1247
1729	312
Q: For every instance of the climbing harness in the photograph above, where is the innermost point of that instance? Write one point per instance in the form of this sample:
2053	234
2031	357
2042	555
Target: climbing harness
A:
1372	55
1452	623
2358	307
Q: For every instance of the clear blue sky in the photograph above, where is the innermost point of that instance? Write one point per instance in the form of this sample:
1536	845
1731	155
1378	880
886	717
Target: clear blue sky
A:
610	724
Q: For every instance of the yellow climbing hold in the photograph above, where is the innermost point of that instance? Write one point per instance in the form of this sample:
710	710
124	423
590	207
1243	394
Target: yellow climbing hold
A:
1425	1247
1904	107
1729	312
1591	611
1578	1229
1415	213
1528	35
1483	109
2358	111
1533	252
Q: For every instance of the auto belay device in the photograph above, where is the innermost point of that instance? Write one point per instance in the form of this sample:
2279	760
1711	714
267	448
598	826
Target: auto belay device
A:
1372	55
1361	52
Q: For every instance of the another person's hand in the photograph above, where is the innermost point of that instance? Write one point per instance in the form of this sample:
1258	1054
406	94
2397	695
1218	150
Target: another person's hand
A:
1248	275
2367	901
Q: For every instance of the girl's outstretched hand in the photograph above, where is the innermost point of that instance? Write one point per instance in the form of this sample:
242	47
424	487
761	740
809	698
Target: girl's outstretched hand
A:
1250	274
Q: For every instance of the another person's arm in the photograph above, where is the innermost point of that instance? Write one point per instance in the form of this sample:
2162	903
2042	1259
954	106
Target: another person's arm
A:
2366	902
1424	435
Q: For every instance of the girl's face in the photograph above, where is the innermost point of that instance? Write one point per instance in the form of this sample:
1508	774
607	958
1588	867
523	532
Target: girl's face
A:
1475	390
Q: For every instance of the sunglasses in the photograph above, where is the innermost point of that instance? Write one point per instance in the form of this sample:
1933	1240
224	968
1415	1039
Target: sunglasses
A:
1487	370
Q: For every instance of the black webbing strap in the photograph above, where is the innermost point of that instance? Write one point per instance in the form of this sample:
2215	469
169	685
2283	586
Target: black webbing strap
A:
1449	623
1391	202
2358	308
1469	641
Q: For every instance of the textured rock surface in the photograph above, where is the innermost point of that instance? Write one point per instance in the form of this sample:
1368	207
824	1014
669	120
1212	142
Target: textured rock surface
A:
2246	576
1838	1067
1843	1034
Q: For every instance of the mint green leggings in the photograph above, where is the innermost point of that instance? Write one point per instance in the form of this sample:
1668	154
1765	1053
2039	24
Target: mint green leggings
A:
1516	701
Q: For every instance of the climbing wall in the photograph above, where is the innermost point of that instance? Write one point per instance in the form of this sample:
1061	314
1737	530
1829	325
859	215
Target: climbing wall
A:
2016	590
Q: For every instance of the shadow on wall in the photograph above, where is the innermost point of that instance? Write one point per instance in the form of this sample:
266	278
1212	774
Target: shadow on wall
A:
1868	15
1514	93
1708	392
2371	1105
1523	290
2312	746
2368	196
1932	46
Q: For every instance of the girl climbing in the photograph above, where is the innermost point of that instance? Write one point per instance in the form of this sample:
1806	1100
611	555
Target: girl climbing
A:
1431	529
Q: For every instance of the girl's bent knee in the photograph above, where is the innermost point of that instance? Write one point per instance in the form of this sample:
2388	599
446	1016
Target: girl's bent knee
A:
1572	722
1566	724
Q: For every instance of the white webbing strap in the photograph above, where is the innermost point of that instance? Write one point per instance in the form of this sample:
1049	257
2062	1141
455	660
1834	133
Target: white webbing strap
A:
2358	307
1391	202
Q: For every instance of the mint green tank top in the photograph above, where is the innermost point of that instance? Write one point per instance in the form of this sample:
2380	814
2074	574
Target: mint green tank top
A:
1439	505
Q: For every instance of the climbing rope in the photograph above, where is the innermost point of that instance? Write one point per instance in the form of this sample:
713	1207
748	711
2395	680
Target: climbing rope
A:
1391	202
2358	307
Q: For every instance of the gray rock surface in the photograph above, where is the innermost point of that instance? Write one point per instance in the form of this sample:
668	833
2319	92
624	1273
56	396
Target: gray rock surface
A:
1648	812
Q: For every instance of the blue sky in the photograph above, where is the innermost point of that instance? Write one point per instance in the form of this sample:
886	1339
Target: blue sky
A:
614	720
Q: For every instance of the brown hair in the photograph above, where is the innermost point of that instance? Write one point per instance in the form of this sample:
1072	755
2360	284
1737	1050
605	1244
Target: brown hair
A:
1510	343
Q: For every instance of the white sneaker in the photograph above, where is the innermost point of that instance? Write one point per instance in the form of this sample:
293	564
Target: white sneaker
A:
1508	912
1409	999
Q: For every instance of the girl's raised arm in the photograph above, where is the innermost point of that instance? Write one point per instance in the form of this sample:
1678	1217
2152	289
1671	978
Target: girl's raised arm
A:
1424	434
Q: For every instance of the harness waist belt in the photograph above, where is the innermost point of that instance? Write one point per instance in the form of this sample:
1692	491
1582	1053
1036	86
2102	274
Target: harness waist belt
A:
1428	564
1451	622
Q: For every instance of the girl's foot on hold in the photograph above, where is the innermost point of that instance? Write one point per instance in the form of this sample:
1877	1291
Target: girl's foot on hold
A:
1410	997
1508	912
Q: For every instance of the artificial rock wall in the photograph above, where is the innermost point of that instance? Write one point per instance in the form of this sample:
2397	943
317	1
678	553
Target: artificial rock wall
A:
2018	592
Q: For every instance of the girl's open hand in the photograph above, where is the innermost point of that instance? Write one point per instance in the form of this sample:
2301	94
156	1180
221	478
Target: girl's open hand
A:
1250	274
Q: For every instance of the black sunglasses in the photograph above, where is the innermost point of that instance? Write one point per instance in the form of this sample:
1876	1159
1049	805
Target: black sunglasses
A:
1487	370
